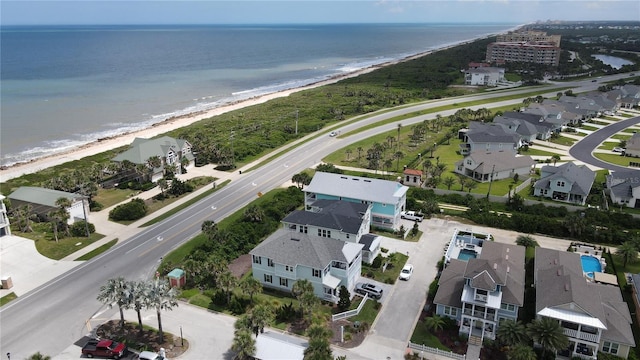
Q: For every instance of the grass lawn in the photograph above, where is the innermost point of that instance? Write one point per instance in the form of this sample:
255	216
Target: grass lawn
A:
421	335
7	298
621	137
615	158
47	246
563	140
368	313
536	152
390	275
110	197
95	252
590	128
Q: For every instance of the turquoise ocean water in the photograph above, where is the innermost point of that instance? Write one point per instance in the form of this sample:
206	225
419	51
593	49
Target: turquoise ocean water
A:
65	86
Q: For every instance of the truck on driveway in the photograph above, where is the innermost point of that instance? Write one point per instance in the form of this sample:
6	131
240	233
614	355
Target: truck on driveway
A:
104	349
412	215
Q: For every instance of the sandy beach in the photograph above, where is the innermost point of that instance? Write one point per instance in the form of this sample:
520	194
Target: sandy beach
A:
103	145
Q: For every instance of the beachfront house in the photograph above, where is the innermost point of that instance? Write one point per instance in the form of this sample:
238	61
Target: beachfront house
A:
594	316
481	285
568	182
624	188
387	198
173	155
487	166
337	219
5	226
287	256
42	201
484	76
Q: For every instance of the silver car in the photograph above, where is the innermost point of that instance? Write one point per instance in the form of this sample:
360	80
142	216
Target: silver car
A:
372	290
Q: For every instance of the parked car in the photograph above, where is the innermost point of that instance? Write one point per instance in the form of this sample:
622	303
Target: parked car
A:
104	349
618	149
372	290
405	273
148	355
411	215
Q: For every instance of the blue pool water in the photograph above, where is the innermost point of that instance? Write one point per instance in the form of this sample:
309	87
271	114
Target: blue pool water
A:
590	265
465	255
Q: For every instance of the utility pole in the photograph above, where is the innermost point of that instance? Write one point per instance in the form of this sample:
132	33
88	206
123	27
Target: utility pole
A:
493	168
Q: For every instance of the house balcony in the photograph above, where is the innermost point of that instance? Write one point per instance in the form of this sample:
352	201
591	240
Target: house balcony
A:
331	298
481	298
465	149
581	335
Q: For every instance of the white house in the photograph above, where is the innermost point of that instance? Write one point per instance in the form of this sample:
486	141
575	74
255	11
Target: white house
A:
484	76
287	256
567	182
5	227
387	198
487	166
624	188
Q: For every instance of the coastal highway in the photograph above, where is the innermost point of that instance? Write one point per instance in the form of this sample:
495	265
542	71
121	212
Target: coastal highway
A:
59	313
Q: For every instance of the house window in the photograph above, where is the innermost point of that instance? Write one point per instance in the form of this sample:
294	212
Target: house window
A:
268	278
270	263
303	229
288	268
293	227
609	347
508	307
450	311
257	259
319	232
560	183
347	236
468	161
284	282
317	273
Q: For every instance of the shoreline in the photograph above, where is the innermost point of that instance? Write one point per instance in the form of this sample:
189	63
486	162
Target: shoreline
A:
109	143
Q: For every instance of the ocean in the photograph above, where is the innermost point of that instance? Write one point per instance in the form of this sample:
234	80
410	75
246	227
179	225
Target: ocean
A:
65	86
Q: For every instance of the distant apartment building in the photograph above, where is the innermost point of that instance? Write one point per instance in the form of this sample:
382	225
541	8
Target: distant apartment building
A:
539	53
529	36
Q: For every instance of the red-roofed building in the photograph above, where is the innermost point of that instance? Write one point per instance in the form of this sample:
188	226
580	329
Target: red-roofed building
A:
412	177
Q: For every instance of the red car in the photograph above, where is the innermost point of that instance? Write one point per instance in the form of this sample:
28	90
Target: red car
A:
104	348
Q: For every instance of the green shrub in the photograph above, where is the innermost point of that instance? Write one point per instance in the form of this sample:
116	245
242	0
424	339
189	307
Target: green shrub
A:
78	228
133	210
377	262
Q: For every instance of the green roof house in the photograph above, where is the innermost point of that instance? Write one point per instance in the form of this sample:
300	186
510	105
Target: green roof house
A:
43	200
172	152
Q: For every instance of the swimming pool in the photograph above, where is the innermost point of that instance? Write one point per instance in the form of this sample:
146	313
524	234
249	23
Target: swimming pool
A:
465	255
590	265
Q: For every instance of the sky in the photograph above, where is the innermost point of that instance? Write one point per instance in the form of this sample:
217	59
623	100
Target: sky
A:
84	12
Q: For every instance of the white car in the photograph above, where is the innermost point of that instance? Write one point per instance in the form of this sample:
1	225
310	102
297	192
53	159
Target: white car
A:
406	272
618	149
333	134
411	215
148	355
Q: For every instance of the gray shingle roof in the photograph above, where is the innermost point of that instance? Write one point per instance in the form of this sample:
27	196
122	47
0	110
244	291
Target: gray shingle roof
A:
622	183
502	160
451	284
581	177
561	284
296	248
333	214
355	187
143	149
490	133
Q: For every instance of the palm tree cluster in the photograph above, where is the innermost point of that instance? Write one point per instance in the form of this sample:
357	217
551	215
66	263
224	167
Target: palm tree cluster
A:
544	332
628	251
154	294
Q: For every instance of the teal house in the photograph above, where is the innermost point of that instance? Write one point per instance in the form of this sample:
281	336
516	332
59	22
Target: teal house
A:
387	198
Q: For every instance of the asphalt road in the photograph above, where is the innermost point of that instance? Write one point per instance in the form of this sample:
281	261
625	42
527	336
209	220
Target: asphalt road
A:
583	150
57	314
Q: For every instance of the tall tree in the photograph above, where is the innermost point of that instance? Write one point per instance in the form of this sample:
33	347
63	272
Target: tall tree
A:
251	286
511	333
262	315
209	229
161	297
319	347
449	181
547	333
628	252
521	352
359	153
227	282
244	345
137	298
526	241
398	155
63	204
398	141
115	291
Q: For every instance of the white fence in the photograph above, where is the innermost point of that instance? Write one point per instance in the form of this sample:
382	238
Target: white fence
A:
350	313
430	350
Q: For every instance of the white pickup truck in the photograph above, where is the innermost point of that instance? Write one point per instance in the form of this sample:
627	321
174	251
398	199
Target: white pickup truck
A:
411	215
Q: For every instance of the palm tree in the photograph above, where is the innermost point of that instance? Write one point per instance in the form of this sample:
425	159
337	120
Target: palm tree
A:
254	213
348	152
547	333
251	286
63	204
434	323
262	315
471	184
115	291
303	291
209	229
297	179
388	164
398	155
555	158
521	352
511	333
137	298
161	296
359	153
398	141
227	282
463	181
449	181
526	241
163	185
319	347
55	218
38	356
628	252
243	344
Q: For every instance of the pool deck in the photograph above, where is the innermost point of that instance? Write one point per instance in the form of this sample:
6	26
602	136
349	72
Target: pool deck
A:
465	240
